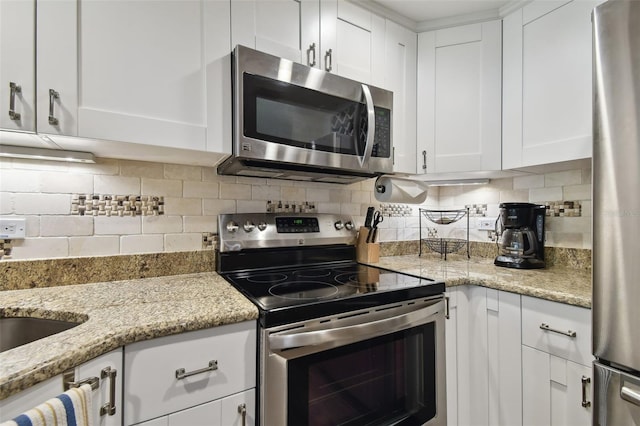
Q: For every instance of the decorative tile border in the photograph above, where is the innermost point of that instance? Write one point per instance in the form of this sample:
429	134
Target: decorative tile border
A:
564	209
116	205
477	210
291	206
5	248
396	210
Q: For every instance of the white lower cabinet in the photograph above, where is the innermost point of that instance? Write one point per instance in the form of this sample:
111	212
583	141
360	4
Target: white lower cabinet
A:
556	363
483	357
107	368
199	377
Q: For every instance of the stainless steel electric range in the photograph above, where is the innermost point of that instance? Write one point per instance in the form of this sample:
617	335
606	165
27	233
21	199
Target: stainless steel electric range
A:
340	342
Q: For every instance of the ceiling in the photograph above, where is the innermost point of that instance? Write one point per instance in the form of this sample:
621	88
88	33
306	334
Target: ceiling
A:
419	12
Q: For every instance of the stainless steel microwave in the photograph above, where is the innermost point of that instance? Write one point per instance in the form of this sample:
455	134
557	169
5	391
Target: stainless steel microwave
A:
291	121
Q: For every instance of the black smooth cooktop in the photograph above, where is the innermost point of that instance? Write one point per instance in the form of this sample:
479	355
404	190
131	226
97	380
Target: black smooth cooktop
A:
291	294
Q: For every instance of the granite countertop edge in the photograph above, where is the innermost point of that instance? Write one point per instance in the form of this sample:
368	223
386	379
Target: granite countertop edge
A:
119	313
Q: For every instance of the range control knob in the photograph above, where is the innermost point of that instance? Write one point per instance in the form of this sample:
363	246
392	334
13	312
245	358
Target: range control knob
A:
248	226
232	227
262	226
338	225
349	225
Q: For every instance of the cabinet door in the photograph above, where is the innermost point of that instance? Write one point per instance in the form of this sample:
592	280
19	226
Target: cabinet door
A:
142	72
547	83
459	100
288	29
400	78
108	362
57	69
17	64
359	43
451	327
239	409
205	414
555	391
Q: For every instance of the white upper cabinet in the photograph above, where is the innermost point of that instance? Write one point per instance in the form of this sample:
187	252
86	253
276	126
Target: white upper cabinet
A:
400	78
17	65
284	28
547	83
459	99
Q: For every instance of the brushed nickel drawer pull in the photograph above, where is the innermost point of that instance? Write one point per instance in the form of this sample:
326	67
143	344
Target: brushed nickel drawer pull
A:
53	95
242	410
568	333
110	407
181	373
328	60
14	89
585	380
311	50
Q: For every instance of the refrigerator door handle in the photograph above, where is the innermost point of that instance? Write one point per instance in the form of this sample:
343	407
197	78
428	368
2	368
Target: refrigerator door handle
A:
629	395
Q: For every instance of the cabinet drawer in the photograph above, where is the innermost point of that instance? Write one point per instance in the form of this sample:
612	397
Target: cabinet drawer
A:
561	320
151	386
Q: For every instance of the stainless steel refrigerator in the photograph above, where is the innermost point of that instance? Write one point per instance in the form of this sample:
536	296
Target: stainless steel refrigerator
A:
616	213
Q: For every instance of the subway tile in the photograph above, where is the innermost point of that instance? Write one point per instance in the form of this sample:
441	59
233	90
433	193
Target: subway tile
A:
235	191
66	183
94	246
102	166
161	224
562	239
40	248
183	242
388	234
577	192
19	180
266	192
177	171
104	184
210	174
200	223
33	226
515	196
333	208
136	244
216	207
6	203
258	206
587	176
361	197
174	206
586	208
545	194
103	225
293	193
528	182
41	165
65	226
141	169
163	187
350	209
569	177
251	180
339	196
43	204
318	195
200	189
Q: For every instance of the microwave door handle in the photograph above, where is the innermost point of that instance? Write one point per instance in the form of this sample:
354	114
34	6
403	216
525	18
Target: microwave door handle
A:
371	126
359	331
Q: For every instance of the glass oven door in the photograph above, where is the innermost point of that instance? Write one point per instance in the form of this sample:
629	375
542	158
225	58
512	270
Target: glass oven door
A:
383	366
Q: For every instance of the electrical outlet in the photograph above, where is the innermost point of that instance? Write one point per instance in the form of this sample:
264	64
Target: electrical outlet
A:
487	223
13	228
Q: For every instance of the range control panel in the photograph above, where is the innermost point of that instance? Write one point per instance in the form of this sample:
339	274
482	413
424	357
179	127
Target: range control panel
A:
241	231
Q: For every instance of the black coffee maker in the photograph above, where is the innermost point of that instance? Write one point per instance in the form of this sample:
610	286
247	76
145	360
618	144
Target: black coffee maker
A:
520	227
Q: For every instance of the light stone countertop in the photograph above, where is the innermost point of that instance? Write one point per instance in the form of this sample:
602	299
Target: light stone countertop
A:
122	312
558	284
117	313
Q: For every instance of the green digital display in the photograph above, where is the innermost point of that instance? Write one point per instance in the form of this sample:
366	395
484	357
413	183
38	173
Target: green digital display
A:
291	225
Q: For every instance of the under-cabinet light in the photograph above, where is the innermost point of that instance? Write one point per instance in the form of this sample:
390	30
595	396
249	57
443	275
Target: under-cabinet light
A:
11	151
453	182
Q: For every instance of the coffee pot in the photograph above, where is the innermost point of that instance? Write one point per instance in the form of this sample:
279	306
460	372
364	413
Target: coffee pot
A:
520	227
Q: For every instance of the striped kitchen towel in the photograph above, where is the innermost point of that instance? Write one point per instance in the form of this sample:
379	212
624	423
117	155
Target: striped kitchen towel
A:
72	408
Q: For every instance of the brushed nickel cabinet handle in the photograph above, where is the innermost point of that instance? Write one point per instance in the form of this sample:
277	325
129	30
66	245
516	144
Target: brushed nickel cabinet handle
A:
242	410
328	60
53	95
181	373
110	407
446	308
568	333
311	60
13	90
424	160
585	380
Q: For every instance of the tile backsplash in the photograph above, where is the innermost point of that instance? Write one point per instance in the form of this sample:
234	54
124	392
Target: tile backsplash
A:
182	204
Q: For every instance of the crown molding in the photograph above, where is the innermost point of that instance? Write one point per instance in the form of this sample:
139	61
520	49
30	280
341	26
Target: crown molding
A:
512	6
454	21
379	9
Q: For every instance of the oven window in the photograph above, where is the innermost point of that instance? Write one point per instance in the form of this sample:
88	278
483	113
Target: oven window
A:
287	114
386	380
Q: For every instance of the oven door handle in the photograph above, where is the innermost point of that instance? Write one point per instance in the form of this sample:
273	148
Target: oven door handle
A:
365	330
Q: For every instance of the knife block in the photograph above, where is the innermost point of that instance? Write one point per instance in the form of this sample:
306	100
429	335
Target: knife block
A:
366	253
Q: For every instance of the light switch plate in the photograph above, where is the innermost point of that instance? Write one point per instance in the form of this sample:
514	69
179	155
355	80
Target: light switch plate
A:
487	223
13	228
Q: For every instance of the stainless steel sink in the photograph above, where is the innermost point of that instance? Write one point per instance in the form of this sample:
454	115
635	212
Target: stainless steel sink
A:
19	331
